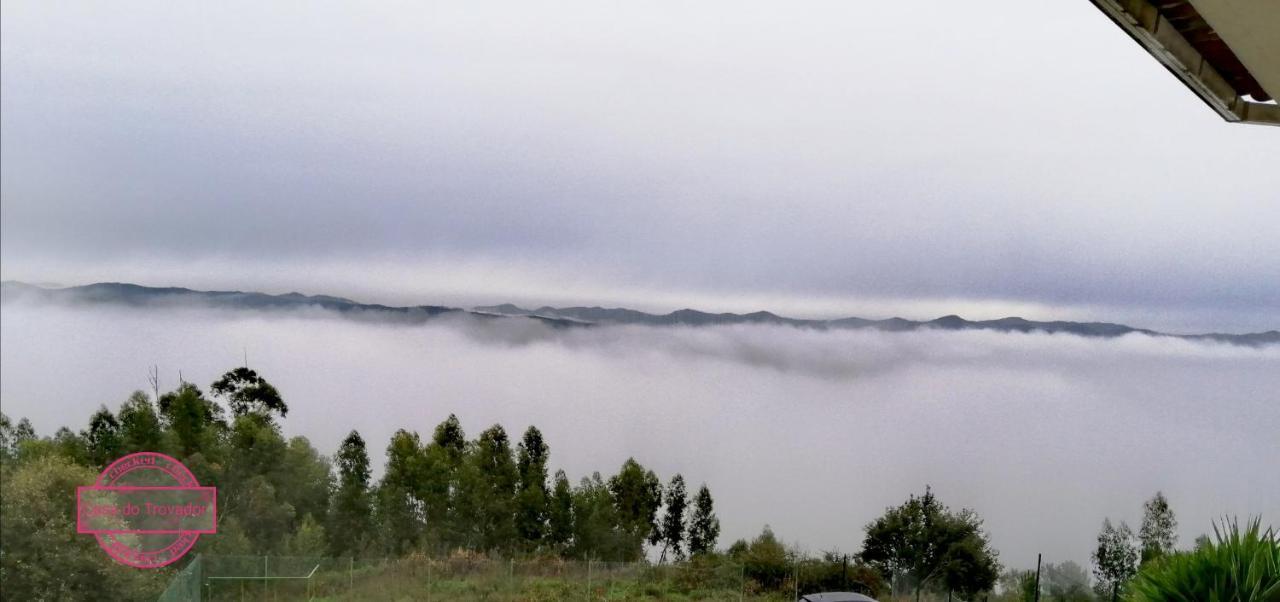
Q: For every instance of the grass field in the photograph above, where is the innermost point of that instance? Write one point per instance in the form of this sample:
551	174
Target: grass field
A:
419	578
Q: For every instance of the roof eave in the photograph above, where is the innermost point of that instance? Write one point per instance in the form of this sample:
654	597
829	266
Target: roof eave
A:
1143	22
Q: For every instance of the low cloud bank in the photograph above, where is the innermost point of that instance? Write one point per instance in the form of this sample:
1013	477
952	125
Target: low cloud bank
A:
809	431
843	354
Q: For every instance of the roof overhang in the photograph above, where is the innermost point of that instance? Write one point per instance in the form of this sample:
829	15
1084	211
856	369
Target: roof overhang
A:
1226	51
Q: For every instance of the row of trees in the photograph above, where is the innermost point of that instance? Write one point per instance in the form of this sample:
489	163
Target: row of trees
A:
489	494
1119	557
449	492
1119	554
281	496
486	494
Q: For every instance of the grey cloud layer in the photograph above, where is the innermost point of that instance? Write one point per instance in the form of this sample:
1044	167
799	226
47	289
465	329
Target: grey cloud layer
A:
717	149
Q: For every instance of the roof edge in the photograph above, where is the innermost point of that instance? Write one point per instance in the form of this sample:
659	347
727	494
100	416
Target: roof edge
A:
1144	23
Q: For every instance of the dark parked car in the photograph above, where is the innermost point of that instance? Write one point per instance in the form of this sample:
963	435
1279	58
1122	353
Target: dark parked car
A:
836	597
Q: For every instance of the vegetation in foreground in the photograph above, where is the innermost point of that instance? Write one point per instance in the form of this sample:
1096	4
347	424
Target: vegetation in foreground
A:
492	502
1238	565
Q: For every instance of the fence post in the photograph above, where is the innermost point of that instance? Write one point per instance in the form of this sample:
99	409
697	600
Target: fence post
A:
351	574
742	581
588	579
1038	558
797	579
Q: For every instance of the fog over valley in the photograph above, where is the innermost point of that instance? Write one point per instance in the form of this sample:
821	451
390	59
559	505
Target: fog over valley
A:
812	432
821	258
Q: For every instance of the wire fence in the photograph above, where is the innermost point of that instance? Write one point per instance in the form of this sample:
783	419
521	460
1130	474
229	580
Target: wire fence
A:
286	578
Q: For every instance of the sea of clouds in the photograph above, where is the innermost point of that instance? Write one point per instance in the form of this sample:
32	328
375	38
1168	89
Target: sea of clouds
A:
812	432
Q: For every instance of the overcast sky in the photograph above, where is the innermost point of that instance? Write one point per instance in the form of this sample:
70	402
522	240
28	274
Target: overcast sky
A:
821	158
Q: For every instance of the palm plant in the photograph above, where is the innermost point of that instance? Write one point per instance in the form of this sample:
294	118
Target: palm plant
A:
1240	566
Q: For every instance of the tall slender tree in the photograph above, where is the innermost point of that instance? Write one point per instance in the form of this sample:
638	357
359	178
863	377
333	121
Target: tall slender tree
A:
400	508
497	475
532	497
445	514
704	525
350	516
560	513
636	494
306	482
672	529
596	525
1115	560
1158	533
451	439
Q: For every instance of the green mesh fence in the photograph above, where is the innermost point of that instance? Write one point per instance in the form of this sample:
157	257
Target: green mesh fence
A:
185	586
211	578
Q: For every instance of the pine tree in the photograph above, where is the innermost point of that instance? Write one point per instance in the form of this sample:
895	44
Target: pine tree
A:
704	526
672	529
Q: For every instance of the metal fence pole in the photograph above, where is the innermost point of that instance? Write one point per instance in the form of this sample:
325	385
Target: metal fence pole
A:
1038	558
797	579
742	581
588	579
351	574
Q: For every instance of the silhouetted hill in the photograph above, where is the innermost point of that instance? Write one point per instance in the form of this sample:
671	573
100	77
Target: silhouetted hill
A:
692	317
124	294
118	293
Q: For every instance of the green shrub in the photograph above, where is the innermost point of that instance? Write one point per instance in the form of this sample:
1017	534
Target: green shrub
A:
1237	567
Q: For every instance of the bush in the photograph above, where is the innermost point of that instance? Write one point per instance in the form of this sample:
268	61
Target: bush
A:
41	555
1238	567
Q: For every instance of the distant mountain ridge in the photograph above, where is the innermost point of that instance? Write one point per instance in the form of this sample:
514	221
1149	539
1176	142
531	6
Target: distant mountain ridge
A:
116	293
121	293
692	317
